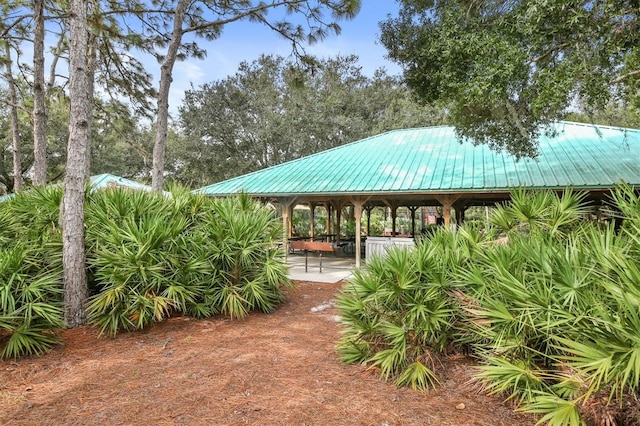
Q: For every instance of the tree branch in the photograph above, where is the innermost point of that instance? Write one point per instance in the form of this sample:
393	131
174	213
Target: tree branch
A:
13	105
241	15
14	24
516	120
625	76
548	52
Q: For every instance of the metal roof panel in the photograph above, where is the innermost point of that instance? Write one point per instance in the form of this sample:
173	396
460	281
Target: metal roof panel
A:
434	160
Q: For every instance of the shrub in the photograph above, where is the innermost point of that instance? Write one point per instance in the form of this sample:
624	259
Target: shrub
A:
30	303
30	273
556	312
152	256
149	256
135	258
400	312
239	239
552	310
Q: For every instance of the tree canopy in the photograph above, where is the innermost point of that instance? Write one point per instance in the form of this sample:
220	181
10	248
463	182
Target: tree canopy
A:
506	69
270	112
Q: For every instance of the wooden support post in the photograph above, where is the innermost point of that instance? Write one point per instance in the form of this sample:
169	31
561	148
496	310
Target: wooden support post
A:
312	220
446	214
327	207
357	207
393	207
338	220
337	207
394	215
286	205
285	227
413	209
368	209
460	208
447	203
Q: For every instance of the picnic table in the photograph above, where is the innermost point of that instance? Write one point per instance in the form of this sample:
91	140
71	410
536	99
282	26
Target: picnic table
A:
312	246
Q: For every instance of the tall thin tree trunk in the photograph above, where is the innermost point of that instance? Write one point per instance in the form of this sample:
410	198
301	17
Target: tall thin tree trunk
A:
15	131
55	58
39	113
92	58
166	70
73	251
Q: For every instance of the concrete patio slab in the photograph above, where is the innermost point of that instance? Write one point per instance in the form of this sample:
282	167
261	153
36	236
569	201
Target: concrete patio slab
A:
334	269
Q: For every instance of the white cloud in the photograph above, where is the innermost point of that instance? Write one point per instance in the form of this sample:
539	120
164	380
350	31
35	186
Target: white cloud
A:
190	70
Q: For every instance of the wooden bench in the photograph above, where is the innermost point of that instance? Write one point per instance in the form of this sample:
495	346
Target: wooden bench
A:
308	246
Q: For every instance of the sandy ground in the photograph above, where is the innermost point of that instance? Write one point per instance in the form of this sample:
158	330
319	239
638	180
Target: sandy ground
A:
276	369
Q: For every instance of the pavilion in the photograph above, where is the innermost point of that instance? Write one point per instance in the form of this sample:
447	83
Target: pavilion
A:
432	166
103	181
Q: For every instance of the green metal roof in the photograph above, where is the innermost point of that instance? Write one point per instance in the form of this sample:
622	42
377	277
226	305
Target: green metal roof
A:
434	160
102	181
107	180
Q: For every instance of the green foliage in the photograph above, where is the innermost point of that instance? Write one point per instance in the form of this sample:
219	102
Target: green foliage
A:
400	313
30	274
238	238
30	303
149	256
551	309
119	144
555	313
135	258
506	70
543	213
270	112
152	256
34	215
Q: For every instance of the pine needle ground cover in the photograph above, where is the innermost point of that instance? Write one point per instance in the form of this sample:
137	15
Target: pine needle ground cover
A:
269	369
149	257
551	309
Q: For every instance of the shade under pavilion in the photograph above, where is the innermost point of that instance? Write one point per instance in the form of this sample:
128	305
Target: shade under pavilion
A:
432	166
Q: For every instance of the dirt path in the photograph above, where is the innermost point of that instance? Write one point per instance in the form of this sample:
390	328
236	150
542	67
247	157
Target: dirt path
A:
278	369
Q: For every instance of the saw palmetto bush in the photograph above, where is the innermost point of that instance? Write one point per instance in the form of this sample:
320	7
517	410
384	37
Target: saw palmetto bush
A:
137	258
239	240
522	296
30	273
400	313
35	214
551	309
153	255
33	217
149	256
30	302
541	213
555	312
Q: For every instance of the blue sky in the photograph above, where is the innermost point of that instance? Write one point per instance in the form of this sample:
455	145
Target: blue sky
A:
244	41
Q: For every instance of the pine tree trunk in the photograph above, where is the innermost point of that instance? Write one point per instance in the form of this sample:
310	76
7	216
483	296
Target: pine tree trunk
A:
39	114
92	59
73	255
15	132
166	70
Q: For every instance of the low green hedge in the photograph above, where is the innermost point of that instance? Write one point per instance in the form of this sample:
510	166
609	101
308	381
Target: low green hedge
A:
551	310
149	256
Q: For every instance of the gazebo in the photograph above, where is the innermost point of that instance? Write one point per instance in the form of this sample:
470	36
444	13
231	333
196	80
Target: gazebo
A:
432	166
